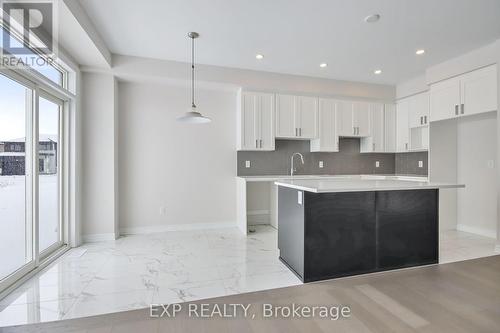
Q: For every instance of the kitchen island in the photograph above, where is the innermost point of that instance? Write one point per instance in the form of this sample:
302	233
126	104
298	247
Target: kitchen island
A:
331	228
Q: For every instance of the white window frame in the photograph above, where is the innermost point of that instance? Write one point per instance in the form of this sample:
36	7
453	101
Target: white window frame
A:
44	87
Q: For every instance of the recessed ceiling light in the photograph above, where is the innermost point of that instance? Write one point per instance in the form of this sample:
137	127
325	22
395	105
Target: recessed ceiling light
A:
259	56
323	65
420	52
377	71
372	18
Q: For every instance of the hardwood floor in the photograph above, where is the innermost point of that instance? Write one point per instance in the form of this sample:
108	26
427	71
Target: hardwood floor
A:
456	297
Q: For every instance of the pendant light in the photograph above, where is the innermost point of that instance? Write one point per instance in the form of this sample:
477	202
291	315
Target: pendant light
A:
192	116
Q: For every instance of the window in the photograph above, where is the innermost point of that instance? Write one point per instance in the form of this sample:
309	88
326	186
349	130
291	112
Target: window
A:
15	224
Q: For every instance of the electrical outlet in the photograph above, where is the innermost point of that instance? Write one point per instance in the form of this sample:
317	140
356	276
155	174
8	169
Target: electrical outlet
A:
247	164
377	164
420	164
163	211
320	164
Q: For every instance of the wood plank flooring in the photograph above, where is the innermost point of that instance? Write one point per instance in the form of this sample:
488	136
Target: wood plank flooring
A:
456	297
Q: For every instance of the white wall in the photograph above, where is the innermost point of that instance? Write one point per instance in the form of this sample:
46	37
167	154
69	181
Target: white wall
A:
187	169
98	157
411	87
476	161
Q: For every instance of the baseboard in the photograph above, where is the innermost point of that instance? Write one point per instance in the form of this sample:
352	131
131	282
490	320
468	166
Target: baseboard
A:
256	217
258	212
90	238
175	227
478	231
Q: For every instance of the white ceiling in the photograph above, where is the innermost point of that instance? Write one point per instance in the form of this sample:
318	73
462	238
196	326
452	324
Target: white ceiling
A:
296	36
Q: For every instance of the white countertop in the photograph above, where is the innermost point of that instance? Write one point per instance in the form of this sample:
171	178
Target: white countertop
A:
361	185
275	178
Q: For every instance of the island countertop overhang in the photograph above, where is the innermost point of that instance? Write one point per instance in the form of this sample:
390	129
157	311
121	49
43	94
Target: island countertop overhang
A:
362	185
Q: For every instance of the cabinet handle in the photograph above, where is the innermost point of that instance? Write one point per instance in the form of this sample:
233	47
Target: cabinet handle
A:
354	130
256	143
296	132
421	120
406	146
456	109
374	146
260	141
462	108
425	119
300	131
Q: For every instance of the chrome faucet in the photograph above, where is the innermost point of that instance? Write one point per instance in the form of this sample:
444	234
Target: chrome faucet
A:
292	169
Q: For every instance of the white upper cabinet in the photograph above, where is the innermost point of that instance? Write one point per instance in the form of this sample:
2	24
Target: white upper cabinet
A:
255	121
390	128
296	117
307	117
445	99
377	126
479	91
467	94
402	126
418	109
328	139
361	118
375	142
345	118
285	116
354	118
266	121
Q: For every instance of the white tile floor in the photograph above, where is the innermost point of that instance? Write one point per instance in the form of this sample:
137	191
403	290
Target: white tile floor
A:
136	271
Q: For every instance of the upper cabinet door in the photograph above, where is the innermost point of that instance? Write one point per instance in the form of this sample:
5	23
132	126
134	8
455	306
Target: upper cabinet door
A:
479	91
390	128
249	135
361	118
327	140
285	116
307	117
266	121
418	110
445	99
402	126
345	119
423	105
377	126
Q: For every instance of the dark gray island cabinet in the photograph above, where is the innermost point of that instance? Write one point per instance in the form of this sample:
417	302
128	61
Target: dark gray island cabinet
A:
329	229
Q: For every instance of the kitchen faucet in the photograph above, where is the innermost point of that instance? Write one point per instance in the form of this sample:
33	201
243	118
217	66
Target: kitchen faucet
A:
292	169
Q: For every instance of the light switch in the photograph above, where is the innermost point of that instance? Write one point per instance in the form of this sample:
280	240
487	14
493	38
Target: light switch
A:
420	164
247	164
377	164
320	164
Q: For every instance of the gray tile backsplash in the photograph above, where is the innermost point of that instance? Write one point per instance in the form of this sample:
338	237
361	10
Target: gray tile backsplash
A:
407	163
347	161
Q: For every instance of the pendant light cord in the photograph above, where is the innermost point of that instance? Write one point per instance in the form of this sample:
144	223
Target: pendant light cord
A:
192	73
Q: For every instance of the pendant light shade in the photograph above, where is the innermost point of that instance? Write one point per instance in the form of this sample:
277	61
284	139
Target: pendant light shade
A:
192	116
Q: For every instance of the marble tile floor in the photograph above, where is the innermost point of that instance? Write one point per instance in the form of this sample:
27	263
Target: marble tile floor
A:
135	271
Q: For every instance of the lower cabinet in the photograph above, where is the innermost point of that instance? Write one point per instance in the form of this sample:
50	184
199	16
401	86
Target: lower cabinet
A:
339	234
407	228
328	235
